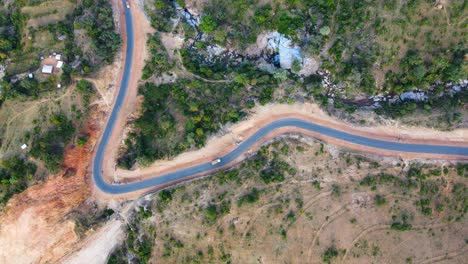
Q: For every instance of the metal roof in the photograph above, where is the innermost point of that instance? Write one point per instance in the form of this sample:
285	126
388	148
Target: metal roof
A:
47	69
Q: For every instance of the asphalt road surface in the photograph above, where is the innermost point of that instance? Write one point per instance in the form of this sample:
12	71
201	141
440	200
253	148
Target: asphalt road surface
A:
242	148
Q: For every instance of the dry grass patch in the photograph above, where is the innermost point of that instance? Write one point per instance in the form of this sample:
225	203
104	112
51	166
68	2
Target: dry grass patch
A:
47	12
18	117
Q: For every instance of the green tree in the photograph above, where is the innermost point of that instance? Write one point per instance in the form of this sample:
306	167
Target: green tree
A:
15	173
85	88
380	200
330	254
325	30
207	24
281	75
29	86
296	66
165	196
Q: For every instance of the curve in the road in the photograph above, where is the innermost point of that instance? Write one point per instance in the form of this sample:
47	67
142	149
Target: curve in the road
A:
243	147
261	133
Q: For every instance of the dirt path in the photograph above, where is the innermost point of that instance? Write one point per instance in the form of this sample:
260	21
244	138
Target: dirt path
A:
98	247
331	218
34	105
379	227
447	256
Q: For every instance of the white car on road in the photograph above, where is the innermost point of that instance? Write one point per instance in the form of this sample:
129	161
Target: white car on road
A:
216	161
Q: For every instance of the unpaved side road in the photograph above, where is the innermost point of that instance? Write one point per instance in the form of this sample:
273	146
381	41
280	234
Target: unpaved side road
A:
98	247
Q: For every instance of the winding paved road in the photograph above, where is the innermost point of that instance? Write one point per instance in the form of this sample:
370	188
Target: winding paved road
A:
242	148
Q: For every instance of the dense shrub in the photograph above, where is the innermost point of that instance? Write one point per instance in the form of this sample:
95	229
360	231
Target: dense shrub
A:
15	173
102	30
330	254
165	196
207	24
164	10
249	198
275	171
159	61
11	39
86	90
49	146
201	108
400	226
380	200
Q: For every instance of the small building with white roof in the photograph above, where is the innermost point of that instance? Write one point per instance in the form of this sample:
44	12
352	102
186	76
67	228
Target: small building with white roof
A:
47	69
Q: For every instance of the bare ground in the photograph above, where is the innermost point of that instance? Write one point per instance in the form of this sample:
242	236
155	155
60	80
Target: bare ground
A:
33	227
98	246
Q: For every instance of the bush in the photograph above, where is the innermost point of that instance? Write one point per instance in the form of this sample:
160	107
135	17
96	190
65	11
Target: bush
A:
462	170
49	147
287	24
85	88
330	254
336	190
325	30
165	196
275	171
28	86
380	200
211	213
15	173
81	141
102	31
207	24
400	226
250	197
144	214
225	176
